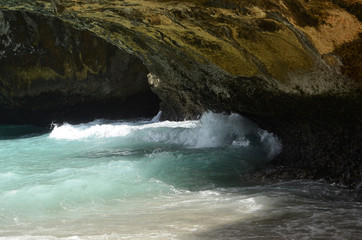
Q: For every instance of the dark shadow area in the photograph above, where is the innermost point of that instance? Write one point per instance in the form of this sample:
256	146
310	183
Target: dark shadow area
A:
36	112
53	72
8	132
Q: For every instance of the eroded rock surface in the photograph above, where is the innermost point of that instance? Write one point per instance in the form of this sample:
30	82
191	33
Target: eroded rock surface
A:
293	66
51	71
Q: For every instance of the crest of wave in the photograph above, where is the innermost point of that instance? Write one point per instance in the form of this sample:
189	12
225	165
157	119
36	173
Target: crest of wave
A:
212	130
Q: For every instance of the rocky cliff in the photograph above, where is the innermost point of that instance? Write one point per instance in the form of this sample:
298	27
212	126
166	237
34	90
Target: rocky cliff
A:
293	66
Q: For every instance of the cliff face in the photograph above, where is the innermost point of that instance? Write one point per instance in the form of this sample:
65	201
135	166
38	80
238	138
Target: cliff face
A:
52	72
293	66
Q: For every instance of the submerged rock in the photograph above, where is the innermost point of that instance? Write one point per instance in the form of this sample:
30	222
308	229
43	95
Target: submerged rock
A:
293	66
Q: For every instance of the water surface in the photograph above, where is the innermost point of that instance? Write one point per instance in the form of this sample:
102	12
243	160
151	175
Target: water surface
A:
147	179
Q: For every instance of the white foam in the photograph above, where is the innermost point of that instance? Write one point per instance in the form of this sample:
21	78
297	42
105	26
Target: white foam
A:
72	132
221	130
272	143
212	130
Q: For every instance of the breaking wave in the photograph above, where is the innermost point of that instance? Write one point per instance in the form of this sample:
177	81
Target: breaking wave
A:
211	131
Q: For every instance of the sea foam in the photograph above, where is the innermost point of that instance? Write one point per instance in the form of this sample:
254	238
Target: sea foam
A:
210	131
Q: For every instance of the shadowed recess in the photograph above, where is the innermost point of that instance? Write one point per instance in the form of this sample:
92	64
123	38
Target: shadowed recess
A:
54	72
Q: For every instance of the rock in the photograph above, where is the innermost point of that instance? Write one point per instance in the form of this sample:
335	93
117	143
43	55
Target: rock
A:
57	6
51	72
293	66
4	25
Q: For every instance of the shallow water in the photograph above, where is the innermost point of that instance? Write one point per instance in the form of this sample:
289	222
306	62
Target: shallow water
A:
147	179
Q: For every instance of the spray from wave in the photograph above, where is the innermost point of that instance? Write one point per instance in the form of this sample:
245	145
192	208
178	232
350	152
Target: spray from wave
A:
211	131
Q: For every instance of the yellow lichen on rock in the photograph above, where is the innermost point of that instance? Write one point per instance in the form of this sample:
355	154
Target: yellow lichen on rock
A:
340	27
27	76
274	38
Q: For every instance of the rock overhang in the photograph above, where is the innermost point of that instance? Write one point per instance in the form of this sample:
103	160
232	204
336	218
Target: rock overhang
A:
258	58
52	71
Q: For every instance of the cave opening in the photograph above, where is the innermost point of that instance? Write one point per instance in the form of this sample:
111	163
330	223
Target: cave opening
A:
53	72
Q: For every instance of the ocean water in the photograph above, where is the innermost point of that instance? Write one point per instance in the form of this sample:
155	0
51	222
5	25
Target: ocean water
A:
147	179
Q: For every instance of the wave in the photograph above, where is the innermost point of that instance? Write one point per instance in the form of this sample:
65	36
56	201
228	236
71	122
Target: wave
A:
210	131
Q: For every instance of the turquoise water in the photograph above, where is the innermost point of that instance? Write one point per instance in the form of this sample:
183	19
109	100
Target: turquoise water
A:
147	179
